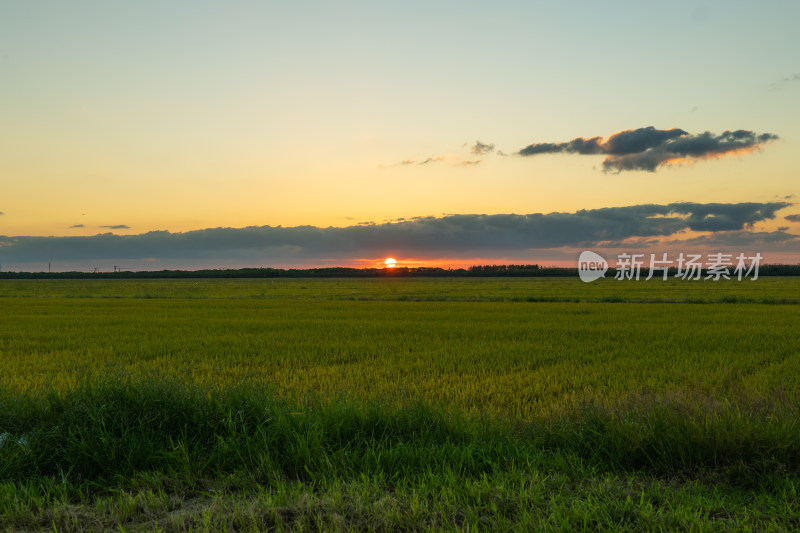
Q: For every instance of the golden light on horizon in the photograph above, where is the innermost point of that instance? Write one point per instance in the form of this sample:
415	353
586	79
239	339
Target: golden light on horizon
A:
390	262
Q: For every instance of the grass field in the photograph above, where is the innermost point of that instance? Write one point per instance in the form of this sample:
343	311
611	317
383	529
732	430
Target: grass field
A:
387	404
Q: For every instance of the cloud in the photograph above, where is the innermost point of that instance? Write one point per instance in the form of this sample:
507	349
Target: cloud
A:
784	81
727	217
432	160
467	235
649	148
409	162
117	226
792	218
741	238
77	226
480	148
723	241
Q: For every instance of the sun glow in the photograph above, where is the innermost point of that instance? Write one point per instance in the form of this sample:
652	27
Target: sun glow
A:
390	262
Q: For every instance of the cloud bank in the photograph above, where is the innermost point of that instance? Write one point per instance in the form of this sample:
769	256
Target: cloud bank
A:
472	235
649	148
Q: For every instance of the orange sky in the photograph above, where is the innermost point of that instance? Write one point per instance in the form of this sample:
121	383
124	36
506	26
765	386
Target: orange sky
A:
129	118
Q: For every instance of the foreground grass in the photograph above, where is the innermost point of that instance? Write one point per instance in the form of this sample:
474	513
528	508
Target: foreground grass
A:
155	454
486	404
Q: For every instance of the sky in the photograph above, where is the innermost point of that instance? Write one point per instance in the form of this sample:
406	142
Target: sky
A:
199	134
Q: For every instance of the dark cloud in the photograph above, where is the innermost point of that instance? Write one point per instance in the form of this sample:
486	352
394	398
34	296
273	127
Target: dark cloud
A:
480	148
792	218
117	226
432	160
787	241
649	148
724	241
640	140
451	235
77	226
727	217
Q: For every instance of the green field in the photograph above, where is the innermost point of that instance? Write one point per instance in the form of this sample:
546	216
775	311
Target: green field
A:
384	404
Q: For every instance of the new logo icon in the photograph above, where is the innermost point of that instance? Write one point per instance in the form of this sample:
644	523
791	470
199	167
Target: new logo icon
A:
591	266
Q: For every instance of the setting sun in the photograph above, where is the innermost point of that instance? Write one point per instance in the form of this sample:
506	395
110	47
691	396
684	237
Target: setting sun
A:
390	262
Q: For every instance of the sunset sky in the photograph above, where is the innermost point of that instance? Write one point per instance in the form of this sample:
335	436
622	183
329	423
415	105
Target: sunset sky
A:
242	134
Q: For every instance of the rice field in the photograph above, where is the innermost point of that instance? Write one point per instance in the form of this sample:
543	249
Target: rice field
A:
489	403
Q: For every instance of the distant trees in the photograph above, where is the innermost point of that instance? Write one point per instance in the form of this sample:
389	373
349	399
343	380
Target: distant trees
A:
501	268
